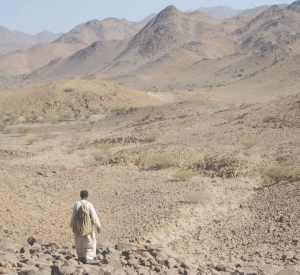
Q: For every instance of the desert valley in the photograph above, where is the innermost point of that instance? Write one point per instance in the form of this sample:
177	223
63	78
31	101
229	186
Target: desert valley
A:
184	128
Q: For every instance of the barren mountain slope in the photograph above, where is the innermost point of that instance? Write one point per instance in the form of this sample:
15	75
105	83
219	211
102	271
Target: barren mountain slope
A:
94	30
251	13
170	41
78	38
276	27
23	62
72	96
84	62
170	31
220	12
14	40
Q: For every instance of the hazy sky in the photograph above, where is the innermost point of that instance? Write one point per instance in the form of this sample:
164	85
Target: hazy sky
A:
33	16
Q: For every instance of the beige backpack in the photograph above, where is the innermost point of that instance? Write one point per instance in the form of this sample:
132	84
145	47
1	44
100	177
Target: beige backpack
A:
82	221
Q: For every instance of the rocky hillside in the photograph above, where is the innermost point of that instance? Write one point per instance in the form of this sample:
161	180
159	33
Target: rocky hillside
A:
73	96
14	40
94	30
172	36
110	29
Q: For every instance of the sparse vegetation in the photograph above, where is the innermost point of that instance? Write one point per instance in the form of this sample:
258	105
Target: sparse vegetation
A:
51	118
212	86
87	115
229	117
117	109
159	162
65	117
31	141
47	135
149	138
97	109
278	173
68	90
118	122
8	118
2	127
24	130
297	172
104	147
184	175
31	118
77	115
7	130
197	197
249	143
99	156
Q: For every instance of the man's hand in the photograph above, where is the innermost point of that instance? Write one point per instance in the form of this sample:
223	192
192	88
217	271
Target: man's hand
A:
98	230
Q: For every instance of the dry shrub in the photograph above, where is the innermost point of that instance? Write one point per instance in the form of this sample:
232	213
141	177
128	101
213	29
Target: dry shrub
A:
249	143
2	127
30	141
276	174
229	117
104	147
159	162
7	130
198	197
99	156
296	172
8	118
68	90
24	130
184	175
47	135
117	109
149	138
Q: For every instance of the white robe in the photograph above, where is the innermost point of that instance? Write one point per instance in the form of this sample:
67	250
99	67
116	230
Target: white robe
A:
86	245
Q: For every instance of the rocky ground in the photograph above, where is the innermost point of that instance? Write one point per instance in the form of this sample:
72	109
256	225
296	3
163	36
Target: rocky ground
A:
31	256
215	182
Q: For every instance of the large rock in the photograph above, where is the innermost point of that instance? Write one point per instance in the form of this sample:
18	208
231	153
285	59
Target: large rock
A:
67	270
173	271
29	271
171	263
32	240
292	270
9	257
270	269
120	271
11	247
115	263
130	271
126	246
221	267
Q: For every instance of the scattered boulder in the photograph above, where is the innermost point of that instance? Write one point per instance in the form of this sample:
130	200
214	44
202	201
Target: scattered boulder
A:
120	259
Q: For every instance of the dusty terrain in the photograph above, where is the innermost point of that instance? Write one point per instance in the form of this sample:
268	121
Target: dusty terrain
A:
182	144
239	205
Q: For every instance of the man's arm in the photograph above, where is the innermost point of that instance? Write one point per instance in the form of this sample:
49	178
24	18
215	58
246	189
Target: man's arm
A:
73	216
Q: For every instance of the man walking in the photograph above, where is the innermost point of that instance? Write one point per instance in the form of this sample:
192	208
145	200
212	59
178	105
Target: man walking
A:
85	237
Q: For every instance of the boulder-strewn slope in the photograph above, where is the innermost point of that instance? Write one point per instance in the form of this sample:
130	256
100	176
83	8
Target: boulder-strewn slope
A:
34	257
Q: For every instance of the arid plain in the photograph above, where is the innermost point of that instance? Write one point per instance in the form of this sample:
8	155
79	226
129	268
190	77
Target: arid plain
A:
185	131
